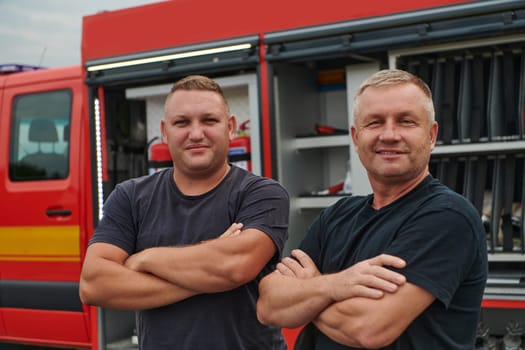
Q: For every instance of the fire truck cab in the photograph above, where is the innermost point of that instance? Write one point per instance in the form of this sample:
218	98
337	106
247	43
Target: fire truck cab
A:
44	193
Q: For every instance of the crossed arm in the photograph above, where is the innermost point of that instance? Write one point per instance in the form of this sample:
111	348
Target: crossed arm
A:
366	305
164	275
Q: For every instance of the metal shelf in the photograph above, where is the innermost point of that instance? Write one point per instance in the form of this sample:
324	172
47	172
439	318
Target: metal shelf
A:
321	141
506	257
316	202
480	148
504	293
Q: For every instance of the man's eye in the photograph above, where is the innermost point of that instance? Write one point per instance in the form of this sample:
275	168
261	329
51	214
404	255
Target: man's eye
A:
180	122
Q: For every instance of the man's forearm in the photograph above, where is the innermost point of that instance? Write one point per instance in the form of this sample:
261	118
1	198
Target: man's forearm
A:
291	302
339	323
213	266
115	286
373	323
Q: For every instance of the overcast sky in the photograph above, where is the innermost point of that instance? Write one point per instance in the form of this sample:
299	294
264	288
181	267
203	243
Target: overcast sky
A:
48	32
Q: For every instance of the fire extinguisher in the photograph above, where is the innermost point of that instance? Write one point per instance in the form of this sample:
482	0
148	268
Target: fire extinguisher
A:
239	153
159	157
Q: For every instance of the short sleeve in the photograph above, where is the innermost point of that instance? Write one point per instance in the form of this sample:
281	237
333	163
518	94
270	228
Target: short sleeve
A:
439	247
311	244
265	206
117	225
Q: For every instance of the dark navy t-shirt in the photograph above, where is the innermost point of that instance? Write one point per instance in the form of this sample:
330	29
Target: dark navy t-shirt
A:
440	236
150	211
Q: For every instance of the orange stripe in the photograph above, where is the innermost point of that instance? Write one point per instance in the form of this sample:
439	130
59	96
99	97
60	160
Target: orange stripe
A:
40	243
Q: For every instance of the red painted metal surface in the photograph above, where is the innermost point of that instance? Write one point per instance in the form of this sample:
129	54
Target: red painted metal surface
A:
182	22
503	304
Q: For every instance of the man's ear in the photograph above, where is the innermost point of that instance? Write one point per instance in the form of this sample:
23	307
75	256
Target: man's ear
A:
433	134
232	126
354	135
163	131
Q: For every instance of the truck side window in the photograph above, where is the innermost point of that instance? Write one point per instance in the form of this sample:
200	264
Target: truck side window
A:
39	147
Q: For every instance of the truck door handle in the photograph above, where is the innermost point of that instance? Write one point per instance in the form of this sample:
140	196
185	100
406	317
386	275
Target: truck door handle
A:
58	212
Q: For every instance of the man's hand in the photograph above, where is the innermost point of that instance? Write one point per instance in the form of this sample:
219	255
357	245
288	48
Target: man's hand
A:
301	267
233	230
368	278
133	262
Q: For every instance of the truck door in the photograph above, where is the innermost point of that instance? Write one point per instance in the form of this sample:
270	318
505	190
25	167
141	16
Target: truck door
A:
40	216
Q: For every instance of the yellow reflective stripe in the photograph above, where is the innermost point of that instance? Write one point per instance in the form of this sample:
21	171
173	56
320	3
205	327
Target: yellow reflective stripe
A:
40	243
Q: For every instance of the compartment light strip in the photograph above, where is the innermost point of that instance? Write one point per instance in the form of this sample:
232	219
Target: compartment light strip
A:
169	57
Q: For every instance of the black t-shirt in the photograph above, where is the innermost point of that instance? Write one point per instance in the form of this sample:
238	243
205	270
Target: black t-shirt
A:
151	211
440	236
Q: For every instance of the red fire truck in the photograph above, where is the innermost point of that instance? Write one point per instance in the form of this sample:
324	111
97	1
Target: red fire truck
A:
68	135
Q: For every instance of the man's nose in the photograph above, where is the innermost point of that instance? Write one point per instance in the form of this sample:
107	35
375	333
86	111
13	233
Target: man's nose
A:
196	131
389	132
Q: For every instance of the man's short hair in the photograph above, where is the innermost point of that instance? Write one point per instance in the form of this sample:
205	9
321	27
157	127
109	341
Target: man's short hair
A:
198	82
387	77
